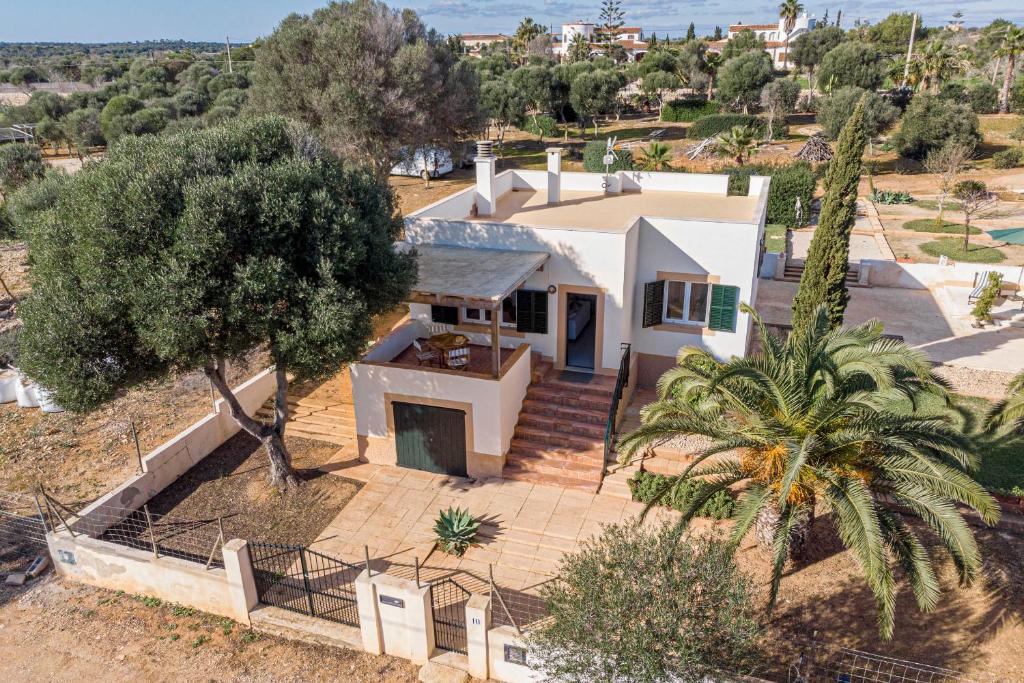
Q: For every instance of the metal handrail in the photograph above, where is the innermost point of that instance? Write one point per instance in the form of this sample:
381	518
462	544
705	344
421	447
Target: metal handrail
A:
621	382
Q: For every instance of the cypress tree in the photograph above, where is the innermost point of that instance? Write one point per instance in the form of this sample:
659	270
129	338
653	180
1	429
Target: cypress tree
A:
691	32
824	276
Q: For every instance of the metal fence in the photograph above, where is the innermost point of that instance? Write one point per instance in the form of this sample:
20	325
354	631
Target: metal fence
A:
22	527
302	580
822	663
194	540
521	610
448	601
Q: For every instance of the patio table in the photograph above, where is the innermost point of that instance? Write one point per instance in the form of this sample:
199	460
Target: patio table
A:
447	342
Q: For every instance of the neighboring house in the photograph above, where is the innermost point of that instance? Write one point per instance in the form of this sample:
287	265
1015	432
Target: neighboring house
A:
774	36
475	42
630	38
562	282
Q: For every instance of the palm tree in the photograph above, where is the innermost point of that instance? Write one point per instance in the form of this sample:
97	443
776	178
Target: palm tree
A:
789	10
822	418
938	62
1013	45
736	143
657	157
1010	411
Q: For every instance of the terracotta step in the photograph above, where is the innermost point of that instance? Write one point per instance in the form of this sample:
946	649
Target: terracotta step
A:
565	412
557	439
558	468
545	450
599	385
554	424
313	422
587	401
322	419
514	472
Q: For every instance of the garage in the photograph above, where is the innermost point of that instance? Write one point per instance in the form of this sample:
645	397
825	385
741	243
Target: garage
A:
431	439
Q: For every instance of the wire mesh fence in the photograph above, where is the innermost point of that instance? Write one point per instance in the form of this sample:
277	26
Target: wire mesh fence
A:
521	610
821	663
22	529
194	540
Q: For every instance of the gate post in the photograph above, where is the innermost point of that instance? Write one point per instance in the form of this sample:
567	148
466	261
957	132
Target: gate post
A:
478	623
369	616
241	582
406	617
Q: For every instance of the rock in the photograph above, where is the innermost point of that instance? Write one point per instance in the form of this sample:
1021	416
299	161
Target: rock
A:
432	672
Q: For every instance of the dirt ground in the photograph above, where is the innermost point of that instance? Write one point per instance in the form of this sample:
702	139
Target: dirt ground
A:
232	483
61	631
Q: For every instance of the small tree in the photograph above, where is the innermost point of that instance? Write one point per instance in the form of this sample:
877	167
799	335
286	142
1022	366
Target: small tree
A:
834	111
178	252
975	200
20	163
741	78
656	157
657	84
535	86
931	122
504	104
736	143
808	49
579	49
594	93
691	614
852	63
982	310
947	163
778	99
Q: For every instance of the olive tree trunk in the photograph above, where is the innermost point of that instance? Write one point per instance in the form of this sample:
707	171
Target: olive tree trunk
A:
767	525
271	436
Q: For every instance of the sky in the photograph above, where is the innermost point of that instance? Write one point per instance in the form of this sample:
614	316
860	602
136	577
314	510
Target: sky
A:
244	20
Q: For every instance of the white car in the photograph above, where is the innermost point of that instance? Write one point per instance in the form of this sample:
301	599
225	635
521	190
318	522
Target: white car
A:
433	162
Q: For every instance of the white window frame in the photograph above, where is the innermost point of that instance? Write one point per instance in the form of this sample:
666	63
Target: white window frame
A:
482	320
687	288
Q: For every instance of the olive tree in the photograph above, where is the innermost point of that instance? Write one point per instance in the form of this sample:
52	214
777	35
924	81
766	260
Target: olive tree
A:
504	105
931	122
593	94
690	615
371	80
20	163
179	252
741	78
835	110
851	63
778	99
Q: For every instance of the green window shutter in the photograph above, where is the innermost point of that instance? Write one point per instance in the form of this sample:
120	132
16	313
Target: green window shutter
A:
446	315
654	302
724	303
531	311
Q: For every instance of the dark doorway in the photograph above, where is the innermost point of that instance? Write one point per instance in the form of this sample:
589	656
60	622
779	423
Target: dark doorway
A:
430	439
580	330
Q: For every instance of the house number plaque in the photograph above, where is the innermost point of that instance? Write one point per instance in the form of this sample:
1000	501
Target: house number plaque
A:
394	602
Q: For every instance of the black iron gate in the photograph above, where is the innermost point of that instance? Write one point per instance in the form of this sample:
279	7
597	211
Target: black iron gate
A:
302	580
448	600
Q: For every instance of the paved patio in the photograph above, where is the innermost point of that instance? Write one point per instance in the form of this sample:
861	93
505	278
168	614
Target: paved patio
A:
526	529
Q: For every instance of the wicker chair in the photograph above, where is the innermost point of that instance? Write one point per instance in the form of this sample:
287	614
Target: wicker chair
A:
425	355
458	359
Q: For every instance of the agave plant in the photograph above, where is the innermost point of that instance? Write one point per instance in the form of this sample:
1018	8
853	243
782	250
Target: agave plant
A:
820	420
456	530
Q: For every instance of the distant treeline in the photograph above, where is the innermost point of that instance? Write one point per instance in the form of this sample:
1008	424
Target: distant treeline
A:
11	52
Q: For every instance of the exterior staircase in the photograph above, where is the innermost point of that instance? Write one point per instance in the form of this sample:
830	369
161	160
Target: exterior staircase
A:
795	269
315	419
559	439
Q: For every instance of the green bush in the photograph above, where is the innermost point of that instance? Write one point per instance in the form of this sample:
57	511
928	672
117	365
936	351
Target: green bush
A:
983	98
788	182
688	110
953	247
20	163
545	126
645	486
708	126
593	155
1008	158
931	122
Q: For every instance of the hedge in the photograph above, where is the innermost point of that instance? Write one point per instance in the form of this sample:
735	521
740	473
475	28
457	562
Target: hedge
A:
788	182
593	155
688	110
1008	158
708	126
645	486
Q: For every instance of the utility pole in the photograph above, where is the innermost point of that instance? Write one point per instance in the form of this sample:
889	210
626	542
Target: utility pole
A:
227	42
910	52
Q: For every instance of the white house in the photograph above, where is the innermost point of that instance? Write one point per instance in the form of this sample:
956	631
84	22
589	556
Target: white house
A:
630	38
570	288
775	36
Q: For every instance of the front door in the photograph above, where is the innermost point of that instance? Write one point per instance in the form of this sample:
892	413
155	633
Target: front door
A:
431	439
580	331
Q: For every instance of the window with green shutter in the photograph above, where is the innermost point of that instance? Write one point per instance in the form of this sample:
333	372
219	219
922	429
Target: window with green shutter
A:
532	311
724	304
654	303
446	315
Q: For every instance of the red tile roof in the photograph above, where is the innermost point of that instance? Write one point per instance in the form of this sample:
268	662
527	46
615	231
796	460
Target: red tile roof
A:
752	27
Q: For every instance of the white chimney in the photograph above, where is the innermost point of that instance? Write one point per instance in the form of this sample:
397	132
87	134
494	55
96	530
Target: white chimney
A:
554	175
486	201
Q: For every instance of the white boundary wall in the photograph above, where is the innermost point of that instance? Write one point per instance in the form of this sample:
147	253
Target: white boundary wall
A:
164	464
932	275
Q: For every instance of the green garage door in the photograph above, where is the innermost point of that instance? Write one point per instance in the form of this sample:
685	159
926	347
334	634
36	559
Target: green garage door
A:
430	439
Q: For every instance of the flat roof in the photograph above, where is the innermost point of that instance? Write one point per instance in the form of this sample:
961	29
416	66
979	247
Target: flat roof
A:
470	273
616	212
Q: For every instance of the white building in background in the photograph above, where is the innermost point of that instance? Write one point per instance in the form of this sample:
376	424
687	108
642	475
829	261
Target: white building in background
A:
630	38
774	36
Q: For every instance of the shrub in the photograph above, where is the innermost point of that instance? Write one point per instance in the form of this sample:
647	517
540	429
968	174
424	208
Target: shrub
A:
645	486
851	63
1008	158
639	604
688	110
20	163
982	311
953	247
593	155
544	126
788	183
455	530
709	126
931	122
891	197
983	98
836	108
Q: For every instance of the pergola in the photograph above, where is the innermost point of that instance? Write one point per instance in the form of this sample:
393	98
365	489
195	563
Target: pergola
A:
468	277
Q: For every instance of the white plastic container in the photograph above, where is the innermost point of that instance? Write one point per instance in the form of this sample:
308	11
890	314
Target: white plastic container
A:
8	386
46	402
25	392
